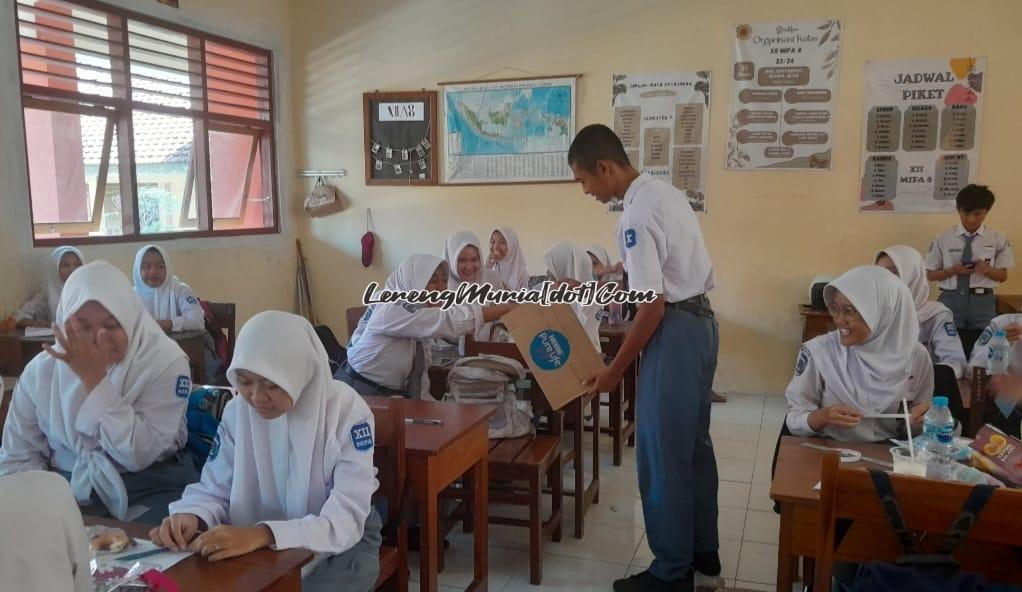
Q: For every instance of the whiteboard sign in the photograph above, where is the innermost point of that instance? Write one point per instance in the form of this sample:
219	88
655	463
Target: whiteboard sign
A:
402	111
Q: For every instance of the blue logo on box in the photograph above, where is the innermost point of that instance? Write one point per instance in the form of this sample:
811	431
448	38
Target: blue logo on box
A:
549	350
362	437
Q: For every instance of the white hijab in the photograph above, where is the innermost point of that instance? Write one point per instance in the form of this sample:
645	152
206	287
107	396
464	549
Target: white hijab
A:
284	458
873	375
55	285
161	302
600	253
41	534
413	273
565	260
912	270
512	269
149	353
456	243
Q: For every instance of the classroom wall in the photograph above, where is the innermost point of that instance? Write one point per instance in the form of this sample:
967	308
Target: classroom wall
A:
768	232
255	272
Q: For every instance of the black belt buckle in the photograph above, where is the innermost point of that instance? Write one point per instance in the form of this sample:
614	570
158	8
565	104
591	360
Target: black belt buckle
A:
697	305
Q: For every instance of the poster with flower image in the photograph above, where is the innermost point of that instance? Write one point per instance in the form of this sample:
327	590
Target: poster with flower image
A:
920	133
783	89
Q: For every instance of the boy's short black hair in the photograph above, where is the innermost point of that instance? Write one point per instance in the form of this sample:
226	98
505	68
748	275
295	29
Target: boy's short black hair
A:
974	197
596	142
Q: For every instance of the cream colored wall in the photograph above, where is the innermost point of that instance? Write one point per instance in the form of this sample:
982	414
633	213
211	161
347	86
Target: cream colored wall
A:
768	232
255	272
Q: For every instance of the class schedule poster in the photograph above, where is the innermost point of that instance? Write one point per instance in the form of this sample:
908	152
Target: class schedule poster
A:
920	138
783	89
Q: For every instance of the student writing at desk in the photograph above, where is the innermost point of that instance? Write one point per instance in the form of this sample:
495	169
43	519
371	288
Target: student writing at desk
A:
872	361
291	466
41	309
663	251
106	406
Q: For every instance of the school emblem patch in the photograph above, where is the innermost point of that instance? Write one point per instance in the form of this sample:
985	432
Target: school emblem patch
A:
362	437
987	335
950	329
192	300
184	386
630	238
214	450
803	361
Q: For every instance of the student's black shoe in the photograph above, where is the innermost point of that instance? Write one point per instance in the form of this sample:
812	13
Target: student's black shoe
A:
647	582
413	540
707	564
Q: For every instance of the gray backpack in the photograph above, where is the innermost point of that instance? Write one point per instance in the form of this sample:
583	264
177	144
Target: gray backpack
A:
490	380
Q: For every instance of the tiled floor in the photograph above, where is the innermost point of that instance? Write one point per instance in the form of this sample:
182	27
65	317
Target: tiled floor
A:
744	432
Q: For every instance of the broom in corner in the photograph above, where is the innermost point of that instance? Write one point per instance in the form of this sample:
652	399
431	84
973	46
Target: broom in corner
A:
303	291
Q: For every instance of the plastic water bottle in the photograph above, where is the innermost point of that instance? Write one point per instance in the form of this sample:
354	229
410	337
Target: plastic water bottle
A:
999	356
939	436
614	317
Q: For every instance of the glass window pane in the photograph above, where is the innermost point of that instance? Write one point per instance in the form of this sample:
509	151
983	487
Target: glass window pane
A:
240	199
163	151
65	153
165	67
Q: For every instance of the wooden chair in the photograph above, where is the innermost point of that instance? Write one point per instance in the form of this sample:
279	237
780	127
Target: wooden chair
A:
848	494
353	316
573	413
225	314
389	457
621	402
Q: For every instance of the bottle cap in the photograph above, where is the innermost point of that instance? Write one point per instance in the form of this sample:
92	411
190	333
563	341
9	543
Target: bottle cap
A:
940	401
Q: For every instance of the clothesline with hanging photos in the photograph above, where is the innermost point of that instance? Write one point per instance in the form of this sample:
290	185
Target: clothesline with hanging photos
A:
388	153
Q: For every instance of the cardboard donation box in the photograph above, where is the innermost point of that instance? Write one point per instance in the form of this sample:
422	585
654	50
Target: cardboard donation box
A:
556	349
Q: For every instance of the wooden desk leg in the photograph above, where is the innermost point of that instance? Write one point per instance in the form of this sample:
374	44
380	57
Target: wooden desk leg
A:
596	449
616	419
577	411
480	509
785	559
429	538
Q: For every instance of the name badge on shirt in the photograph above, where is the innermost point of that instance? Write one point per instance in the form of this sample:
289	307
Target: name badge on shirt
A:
630	238
184	386
362	437
950	329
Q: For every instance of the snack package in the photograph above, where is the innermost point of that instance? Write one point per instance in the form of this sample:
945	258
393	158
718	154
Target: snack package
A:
105	539
999	454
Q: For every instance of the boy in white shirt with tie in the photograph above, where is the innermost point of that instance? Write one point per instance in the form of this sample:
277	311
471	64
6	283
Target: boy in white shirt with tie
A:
970	260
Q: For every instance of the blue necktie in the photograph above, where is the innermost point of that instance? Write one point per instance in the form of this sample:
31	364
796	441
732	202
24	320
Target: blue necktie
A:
963	280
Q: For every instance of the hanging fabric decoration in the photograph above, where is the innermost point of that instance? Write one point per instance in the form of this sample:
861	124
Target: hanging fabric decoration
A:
368	240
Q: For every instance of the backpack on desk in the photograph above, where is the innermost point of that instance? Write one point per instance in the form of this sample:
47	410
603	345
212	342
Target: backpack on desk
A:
490	380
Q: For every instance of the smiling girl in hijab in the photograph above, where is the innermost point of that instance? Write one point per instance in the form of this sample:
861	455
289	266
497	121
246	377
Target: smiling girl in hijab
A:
936	323
872	361
507	260
390	350
41	310
465	266
169	300
569	263
106	406
291	466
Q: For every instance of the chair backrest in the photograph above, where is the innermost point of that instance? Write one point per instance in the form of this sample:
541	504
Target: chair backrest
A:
225	314
389	459
977	402
354	315
928	506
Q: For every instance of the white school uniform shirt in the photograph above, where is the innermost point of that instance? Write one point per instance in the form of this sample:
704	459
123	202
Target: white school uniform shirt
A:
43	306
661	243
565	260
512	269
173	301
872	377
307	475
989	244
384	344
132	419
936	321
42	535
981	352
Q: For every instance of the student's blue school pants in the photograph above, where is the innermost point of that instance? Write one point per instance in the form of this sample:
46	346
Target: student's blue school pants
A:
676	465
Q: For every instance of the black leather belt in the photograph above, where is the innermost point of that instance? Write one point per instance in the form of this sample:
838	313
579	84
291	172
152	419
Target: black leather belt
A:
376	387
972	290
697	305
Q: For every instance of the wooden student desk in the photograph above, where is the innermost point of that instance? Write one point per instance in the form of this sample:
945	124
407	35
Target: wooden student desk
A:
1009	303
621	403
262	570
438	455
16	351
815	322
